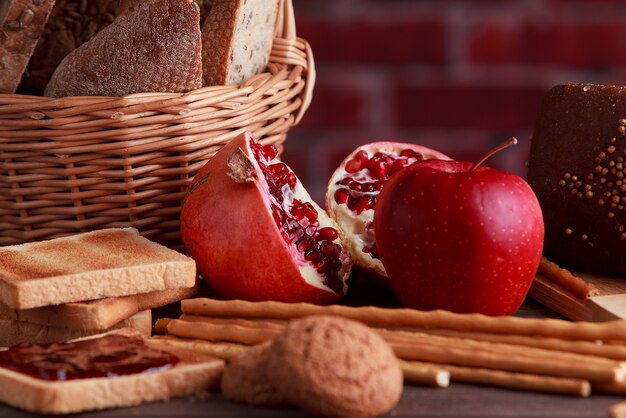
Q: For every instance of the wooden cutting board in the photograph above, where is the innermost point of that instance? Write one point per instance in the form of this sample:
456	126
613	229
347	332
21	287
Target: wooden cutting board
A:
609	305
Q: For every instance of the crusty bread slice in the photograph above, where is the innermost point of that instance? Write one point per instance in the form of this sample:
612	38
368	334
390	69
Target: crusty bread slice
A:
237	40
15	332
21	24
92	265
195	373
97	315
154	47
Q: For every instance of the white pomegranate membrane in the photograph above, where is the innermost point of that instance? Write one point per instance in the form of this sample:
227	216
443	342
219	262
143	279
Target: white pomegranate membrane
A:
365	177
298	221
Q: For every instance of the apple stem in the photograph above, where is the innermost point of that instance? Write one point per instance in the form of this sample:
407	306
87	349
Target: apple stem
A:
511	141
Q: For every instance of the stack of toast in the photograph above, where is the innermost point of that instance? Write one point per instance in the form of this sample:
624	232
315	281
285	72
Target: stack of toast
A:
87	284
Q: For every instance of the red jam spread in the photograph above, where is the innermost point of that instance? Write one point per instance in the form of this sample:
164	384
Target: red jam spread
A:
111	355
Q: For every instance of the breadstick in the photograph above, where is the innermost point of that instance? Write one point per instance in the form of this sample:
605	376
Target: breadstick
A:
250	322
225	351
564	278
437	349
425	374
598	348
519	381
618	410
613	330
502	361
213	332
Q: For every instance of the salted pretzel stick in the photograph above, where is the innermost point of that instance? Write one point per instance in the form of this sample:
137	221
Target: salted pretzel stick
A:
225	351
425	374
613	330
564	278
519	381
435	349
615	352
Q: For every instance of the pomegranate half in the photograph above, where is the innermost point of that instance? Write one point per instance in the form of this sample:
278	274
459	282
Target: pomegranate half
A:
353	191
255	232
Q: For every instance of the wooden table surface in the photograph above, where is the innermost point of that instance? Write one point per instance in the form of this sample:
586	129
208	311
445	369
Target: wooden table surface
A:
458	400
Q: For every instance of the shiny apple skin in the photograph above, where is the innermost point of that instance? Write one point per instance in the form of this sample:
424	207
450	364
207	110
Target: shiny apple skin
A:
459	240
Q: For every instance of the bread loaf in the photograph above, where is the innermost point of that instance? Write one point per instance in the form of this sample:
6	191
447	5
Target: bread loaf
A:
21	25
578	172
191	373
71	24
154	48
92	265
237	40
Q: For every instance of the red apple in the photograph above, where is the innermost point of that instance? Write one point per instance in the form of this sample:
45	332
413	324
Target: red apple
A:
458	236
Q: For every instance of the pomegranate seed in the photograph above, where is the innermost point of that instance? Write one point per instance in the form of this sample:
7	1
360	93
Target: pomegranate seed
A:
409	153
270	152
399	164
342	196
311	255
306	243
367	187
344	181
362	204
354	165
378	185
328	248
309	211
296	234
291	224
355	185
378	170
327	233
291	180
362	157
311	230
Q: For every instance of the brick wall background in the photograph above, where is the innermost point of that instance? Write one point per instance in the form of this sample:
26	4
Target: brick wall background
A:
457	76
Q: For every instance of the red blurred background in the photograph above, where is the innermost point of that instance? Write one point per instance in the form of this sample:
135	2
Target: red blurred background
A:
457	76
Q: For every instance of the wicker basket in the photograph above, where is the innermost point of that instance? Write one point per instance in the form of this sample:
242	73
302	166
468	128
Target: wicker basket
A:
82	163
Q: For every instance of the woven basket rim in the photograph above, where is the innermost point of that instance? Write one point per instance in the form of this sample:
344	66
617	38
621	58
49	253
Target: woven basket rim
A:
285	49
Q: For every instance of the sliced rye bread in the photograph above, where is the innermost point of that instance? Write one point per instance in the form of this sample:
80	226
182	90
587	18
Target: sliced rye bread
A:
21	24
237	40
15	332
195	373
97	315
92	265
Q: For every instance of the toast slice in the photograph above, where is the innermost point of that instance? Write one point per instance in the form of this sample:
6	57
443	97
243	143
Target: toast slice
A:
92	265
21	24
237	40
160	373
97	315
15	332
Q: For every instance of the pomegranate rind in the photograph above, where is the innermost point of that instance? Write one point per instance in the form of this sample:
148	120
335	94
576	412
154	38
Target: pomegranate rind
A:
352	227
228	229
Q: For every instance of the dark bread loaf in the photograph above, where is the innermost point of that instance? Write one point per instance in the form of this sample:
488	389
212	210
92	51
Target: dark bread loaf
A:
21	24
153	48
578	172
71	24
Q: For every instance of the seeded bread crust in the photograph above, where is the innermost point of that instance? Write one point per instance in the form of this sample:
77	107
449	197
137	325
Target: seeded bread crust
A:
88	266
14	332
154	48
576	169
21	24
196	373
237	40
